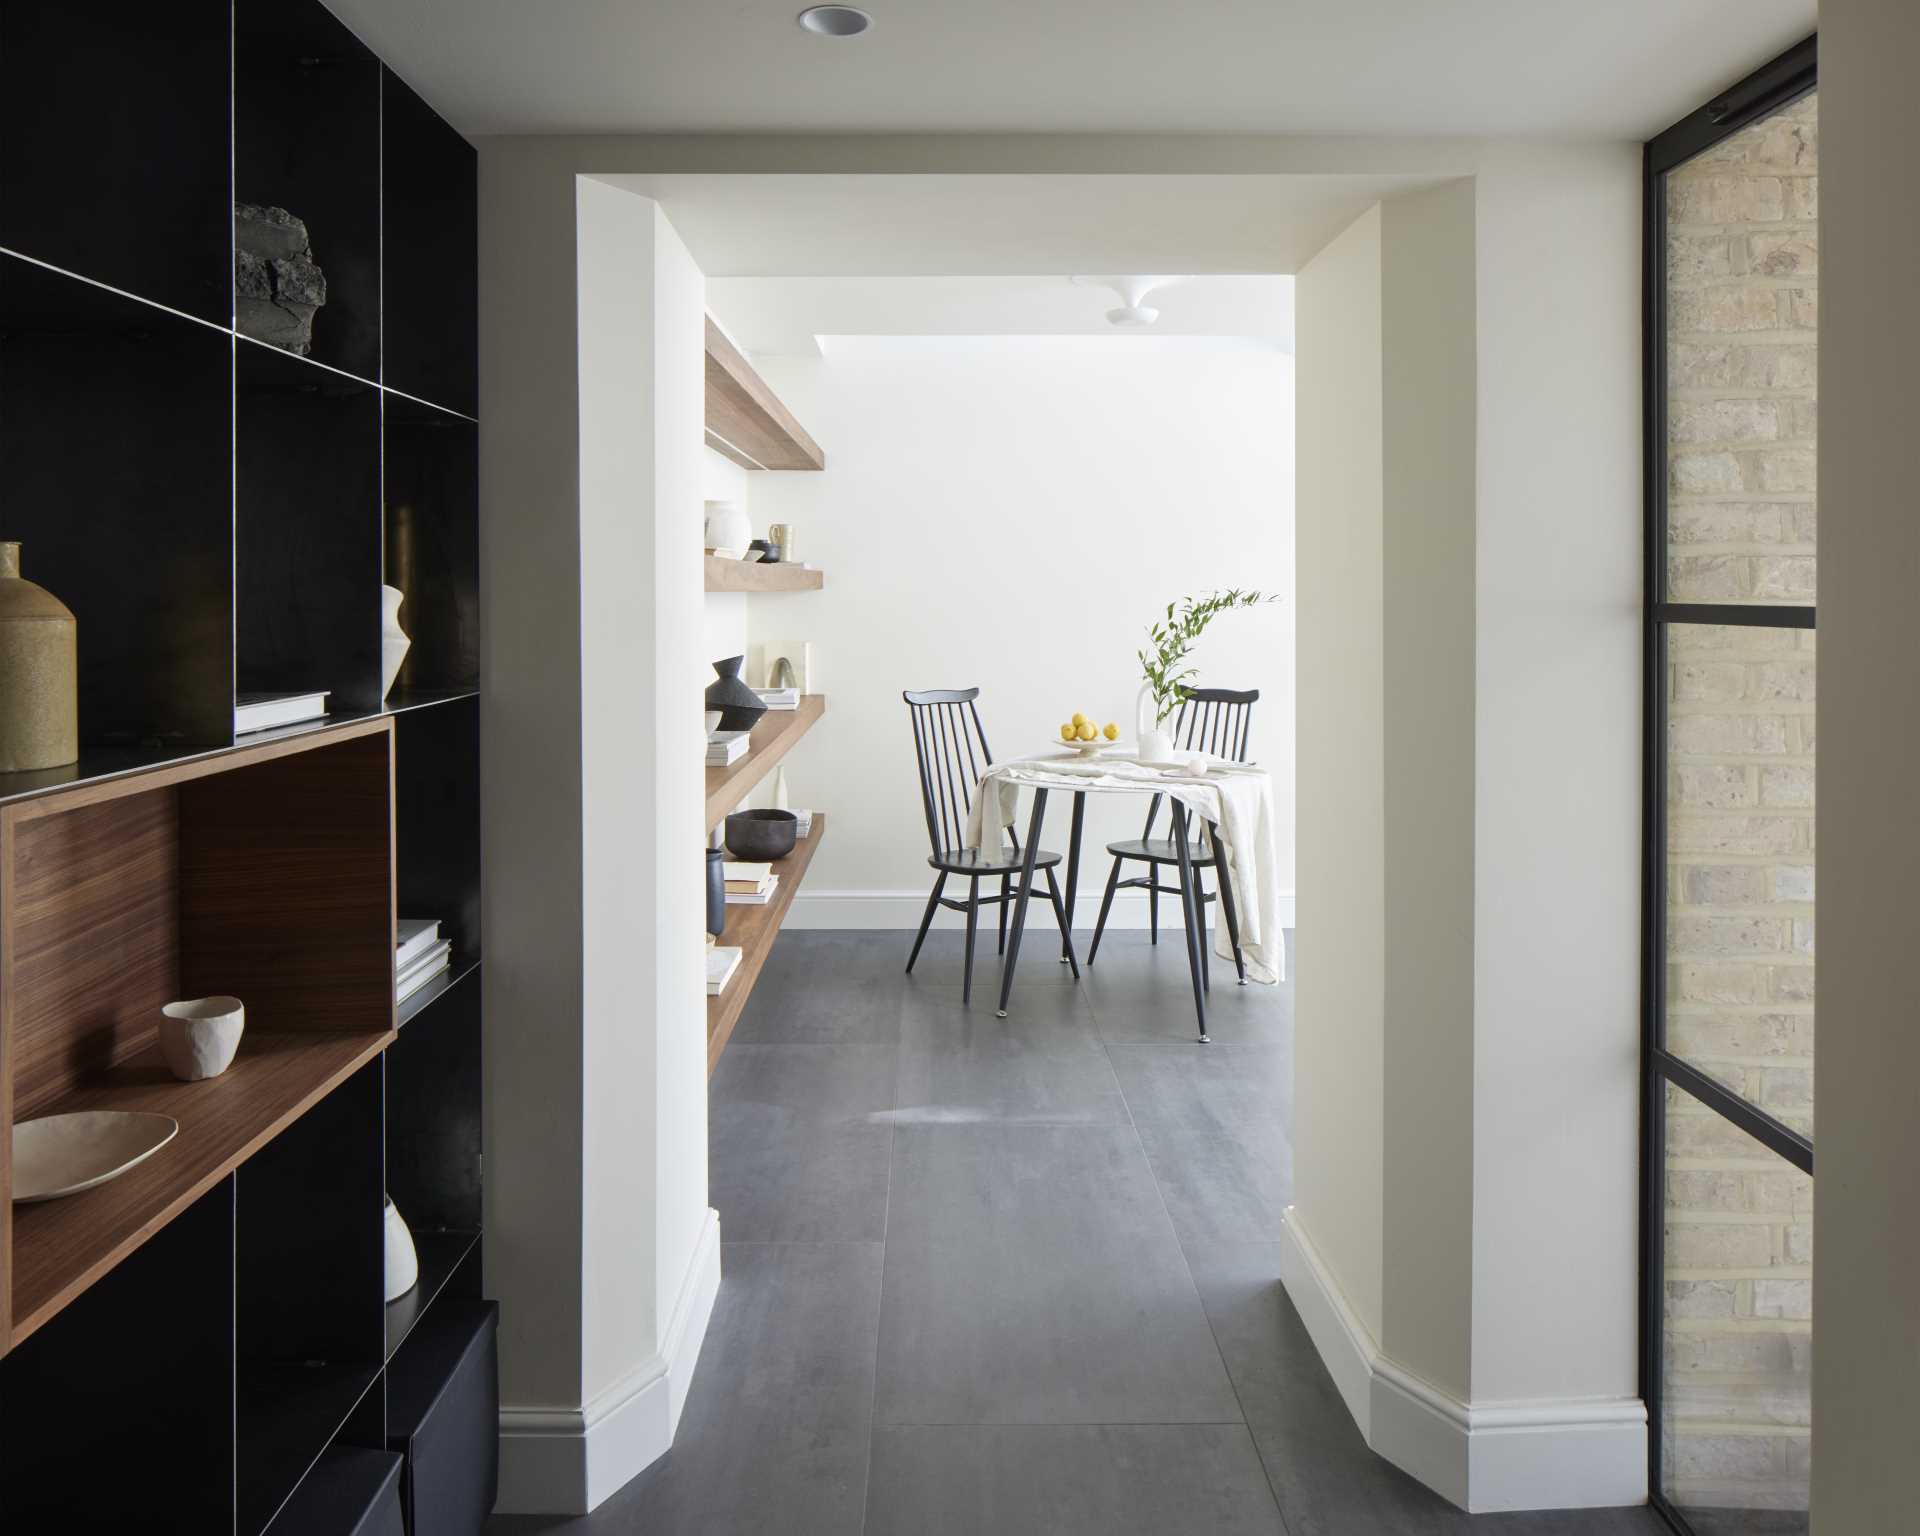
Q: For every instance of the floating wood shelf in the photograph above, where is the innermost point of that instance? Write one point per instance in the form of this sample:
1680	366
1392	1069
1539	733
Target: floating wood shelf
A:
772	739
745	419
60	1247
752	929
756	576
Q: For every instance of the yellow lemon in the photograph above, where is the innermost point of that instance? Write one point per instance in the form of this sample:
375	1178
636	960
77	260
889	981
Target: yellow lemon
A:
1067	732
1087	732
1079	719
1112	732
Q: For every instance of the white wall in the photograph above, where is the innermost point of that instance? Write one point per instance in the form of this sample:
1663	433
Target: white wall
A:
1495	869
1340	996
725	629
601	1247
1866	1372
1015	518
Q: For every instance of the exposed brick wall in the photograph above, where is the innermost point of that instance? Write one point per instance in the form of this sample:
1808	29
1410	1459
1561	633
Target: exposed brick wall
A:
1743	304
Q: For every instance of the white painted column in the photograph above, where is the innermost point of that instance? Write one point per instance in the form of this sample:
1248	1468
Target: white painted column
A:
601	1247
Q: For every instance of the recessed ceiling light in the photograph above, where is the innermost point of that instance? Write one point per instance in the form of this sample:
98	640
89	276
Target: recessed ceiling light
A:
835	20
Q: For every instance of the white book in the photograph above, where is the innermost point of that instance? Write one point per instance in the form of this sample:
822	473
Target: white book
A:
726	756
409	987
731	870
722	961
438	954
264	711
757	898
413	937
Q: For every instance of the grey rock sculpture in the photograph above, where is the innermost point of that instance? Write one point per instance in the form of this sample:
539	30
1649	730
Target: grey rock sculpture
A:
277	286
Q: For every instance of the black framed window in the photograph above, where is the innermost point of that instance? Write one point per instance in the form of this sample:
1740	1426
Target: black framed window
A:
1732	295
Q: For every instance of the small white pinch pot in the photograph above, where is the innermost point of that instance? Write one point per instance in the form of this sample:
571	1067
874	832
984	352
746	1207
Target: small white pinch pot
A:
199	1037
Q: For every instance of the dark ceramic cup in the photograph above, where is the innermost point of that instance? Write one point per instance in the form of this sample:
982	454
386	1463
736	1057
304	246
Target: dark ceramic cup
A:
759	837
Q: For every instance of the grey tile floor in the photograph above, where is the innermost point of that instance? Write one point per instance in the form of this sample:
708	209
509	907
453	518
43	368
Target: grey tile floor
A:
1012	1275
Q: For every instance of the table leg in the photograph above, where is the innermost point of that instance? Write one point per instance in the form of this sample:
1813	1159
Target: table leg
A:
1073	875
1020	902
1227	909
1192	918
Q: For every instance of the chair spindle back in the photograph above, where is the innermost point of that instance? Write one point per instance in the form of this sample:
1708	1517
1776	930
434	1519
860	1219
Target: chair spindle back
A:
1215	720
951	746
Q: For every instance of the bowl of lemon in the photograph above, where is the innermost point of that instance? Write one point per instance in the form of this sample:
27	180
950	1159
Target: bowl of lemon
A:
1086	738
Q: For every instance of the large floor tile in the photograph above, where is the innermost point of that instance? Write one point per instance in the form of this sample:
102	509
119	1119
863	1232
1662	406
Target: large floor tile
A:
1100	1480
827	988
798	1138
1142	993
775	1432
1042	1065
1032	1276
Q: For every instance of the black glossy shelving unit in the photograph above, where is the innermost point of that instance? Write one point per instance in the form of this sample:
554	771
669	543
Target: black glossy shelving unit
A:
220	512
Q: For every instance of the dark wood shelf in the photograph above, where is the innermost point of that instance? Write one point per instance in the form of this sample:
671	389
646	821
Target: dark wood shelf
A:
752	929
440	1254
60	1247
772	739
745	420
757	576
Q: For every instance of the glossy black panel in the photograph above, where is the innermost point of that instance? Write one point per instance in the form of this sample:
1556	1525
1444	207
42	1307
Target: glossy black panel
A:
307	139
116	441
114	145
432	231
128	1393
433	1116
310	1309
307	529
432	490
437	819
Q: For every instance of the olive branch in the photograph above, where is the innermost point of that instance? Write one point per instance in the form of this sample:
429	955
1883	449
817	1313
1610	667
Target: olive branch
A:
1174	636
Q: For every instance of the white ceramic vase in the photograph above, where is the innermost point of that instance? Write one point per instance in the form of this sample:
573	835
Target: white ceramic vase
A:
1156	746
198	1039
729	531
403	1264
394	643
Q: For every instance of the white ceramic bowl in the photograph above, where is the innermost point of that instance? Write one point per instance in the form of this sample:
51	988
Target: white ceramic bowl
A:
1085	748
198	1038
63	1154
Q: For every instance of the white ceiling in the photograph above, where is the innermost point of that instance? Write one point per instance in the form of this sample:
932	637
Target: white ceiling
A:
1551	68
797	225
786	314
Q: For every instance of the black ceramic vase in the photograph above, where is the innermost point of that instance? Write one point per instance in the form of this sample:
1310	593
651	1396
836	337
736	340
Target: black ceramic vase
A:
738	704
716	891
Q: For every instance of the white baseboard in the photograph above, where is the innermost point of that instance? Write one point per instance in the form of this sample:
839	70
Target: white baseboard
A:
1546	1453
866	909
567	1461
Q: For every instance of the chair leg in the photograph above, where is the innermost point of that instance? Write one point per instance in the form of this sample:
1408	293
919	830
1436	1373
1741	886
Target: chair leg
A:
973	917
926	922
1006	900
1106	903
1153	906
1192	917
1066	927
1200	914
1230	912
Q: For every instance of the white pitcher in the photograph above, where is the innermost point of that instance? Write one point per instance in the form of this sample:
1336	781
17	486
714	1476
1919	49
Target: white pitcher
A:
1156	746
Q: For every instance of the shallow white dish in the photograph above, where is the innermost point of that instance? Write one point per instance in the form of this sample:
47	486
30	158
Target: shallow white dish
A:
63	1154
1085	748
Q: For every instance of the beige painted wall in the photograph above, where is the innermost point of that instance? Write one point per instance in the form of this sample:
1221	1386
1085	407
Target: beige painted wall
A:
1429	417
1339	1136
1866	1374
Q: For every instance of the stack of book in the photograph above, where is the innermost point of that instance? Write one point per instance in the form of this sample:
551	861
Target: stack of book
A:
419	955
779	698
722	961
750	885
725	748
264	711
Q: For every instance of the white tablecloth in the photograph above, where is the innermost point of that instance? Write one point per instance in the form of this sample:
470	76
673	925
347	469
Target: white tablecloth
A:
1235	798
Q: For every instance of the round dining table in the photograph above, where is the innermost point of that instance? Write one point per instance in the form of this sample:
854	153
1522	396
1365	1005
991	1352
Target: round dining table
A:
1233	800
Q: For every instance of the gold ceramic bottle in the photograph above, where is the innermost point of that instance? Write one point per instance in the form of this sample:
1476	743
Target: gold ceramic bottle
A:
39	718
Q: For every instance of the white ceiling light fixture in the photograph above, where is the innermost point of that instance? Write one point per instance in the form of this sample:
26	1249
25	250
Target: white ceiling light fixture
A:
834	20
1133	312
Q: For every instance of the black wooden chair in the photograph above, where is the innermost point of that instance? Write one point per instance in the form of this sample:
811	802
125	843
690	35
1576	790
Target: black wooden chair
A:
1215	720
952	750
